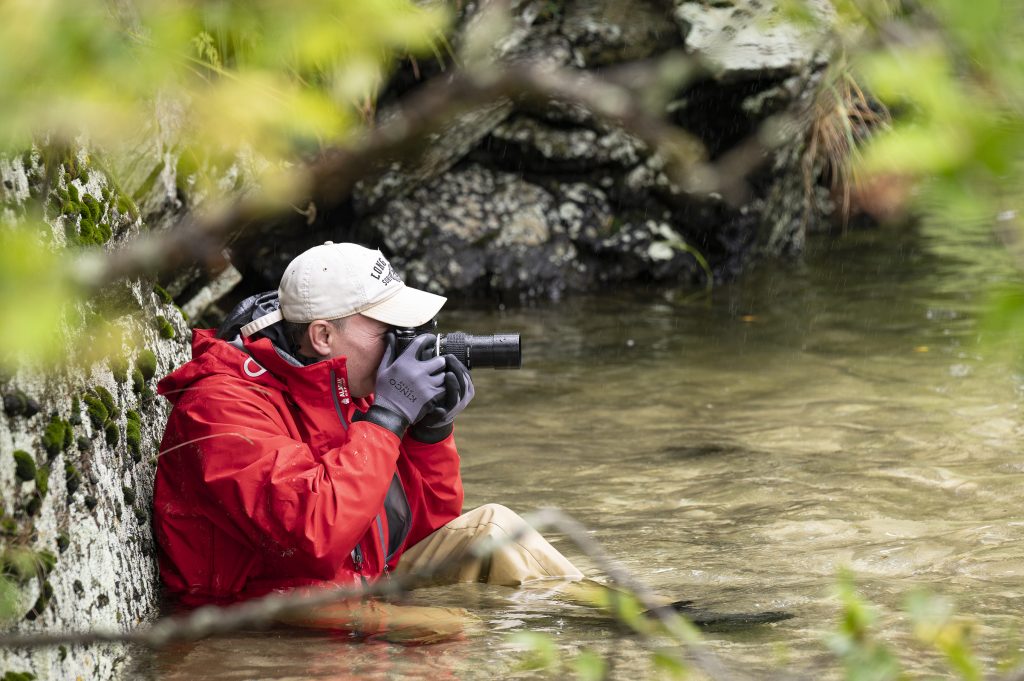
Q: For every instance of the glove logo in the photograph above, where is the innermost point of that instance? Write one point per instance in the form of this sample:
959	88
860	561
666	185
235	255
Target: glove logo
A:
403	389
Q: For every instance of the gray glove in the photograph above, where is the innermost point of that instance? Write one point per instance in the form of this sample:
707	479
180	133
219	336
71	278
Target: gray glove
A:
436	424
406	385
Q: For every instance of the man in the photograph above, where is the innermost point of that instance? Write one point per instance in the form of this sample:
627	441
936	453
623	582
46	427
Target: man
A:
303	450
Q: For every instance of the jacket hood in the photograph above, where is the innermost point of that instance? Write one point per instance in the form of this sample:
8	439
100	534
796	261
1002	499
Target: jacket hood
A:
212	356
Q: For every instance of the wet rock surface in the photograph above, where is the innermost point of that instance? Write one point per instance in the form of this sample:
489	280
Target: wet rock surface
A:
535	200
521	200
78	453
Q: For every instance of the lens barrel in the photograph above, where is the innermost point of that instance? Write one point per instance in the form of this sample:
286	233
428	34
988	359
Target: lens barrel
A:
500	351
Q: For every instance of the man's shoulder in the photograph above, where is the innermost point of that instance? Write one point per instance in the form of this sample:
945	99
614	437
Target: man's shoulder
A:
222	375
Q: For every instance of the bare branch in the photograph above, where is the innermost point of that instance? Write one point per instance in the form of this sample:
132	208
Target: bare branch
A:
330	180
265	611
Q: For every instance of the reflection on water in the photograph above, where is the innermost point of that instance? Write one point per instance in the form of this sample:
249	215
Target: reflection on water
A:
736	452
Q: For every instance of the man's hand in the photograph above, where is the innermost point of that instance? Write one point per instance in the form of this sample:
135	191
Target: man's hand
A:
437	423
406	385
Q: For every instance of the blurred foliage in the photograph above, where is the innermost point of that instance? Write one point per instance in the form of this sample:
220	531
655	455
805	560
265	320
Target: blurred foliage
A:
952	73
266	76
220	81
854	644
863	658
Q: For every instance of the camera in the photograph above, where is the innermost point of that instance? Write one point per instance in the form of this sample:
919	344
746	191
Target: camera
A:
499	351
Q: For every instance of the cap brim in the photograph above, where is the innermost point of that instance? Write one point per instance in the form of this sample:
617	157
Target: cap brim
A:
409	307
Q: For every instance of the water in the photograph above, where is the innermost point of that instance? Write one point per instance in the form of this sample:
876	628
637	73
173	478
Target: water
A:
738	451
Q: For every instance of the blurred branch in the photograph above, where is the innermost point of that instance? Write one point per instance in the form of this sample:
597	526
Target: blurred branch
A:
330	180
265	611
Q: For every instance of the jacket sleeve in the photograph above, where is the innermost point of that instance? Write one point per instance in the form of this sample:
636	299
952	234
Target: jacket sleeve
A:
433	484
269	487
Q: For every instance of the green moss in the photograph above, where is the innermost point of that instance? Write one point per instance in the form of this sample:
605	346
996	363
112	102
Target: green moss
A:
129	495
119	367
72	478
162	294
107	397
138	381
8	527
43	480
97	411
71	234
83	175
73	193
146	362
95	209
35	502
76	411
84	444
140	514
18	676
41	602
106	194
47	561
126	206
57	436
111	434
15	403
24	465
87	234
90	502
133	435
63	542
19	563
68	208
163	326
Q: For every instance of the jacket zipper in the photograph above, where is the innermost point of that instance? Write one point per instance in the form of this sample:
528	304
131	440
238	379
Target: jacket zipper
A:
357	560
383	546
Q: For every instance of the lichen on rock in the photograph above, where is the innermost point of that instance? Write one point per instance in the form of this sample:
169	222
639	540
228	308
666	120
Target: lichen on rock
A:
86	408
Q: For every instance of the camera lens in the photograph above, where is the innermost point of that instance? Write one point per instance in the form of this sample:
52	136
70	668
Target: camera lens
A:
500	350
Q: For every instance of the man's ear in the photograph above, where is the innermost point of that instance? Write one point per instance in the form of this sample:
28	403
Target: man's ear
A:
319	336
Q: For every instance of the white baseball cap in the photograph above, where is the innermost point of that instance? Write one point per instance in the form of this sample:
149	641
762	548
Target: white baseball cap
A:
338	280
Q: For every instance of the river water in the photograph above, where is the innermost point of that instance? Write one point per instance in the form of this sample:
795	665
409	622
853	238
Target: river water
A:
738	449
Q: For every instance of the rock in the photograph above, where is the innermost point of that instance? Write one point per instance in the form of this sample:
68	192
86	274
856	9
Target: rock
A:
611	31
444	149
533	144
540	197
744	39
75	519
473	229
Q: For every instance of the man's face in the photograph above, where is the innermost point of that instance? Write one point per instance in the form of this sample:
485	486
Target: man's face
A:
361	341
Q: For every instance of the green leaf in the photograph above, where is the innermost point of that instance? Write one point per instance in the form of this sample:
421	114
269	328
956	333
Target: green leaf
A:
670	665
10	599
589	666
540	650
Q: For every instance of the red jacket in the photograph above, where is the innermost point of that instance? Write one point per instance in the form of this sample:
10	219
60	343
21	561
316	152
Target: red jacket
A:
265	482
